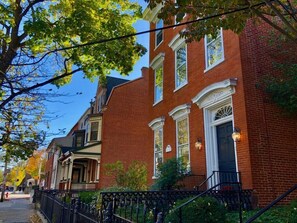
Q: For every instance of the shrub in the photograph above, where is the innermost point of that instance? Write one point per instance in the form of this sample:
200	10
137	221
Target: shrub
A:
171	171
201	210
87	196
134	177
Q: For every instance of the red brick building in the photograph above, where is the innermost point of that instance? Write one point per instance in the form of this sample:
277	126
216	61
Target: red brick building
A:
124	126
200	93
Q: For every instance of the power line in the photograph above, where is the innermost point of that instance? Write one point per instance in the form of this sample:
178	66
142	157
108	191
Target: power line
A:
165	27
144	32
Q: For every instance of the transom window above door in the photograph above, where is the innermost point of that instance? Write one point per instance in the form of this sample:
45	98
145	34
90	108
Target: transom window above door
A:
223	112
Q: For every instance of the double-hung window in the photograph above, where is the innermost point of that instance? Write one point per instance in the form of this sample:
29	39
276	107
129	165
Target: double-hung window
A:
214	50
94	131
158	149
182	132
181	67
158	92
159	33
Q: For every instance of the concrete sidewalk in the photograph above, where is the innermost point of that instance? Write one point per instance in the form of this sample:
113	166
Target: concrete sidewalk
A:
16	209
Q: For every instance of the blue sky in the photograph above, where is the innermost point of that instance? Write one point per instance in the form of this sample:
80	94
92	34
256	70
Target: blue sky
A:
75	104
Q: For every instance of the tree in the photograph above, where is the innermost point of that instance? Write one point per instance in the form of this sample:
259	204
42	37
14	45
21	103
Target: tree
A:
233	15
35	165
43	42
16	175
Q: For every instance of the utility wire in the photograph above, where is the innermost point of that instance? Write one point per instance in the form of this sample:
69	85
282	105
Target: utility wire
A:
144	32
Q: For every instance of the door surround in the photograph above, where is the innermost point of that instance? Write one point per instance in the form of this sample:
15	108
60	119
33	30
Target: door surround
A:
211	99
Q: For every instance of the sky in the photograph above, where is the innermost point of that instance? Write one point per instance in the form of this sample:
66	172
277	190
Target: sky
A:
74	105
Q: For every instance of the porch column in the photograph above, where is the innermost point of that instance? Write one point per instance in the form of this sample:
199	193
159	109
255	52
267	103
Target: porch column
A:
70	173
97	170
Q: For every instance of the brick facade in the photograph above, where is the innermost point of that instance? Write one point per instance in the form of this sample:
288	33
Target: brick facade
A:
125	129
266	153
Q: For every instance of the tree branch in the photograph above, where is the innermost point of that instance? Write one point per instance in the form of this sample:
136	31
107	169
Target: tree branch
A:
38	85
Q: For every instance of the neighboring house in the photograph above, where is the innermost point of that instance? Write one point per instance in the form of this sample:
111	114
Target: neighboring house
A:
52	170
125	131
202	93
80	161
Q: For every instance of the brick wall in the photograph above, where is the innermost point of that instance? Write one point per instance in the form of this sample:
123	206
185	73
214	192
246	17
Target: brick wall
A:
271	133
198	80
125	127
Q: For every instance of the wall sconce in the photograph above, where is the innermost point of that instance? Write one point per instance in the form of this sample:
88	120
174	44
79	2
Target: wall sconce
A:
236	135
198	144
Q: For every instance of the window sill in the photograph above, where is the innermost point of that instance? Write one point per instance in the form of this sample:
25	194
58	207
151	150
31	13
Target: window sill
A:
157	102
179	87
156	47
214	65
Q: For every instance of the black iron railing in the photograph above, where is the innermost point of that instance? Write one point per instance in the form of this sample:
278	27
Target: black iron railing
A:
263	210
225	180
59	209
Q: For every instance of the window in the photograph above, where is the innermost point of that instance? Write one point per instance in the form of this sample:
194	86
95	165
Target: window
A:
158	149
159	33
182	132
214	50
94	131
158	84
180	67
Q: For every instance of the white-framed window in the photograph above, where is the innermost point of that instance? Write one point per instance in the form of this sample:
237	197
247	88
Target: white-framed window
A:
181	78
94	131
182	140
181	117
158	149
158	91
159	33
214	50
157	126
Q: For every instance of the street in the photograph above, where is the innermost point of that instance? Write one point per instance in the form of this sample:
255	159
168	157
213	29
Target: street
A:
16	209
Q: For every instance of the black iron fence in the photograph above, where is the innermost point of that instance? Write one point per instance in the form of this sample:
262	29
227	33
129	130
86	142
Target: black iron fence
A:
61	207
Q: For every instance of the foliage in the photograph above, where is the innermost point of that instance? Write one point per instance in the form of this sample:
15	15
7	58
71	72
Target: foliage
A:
87	196
282	88
36	164
46	42
68	36
16	175
202	210
134	177
171	171
279	214
232	14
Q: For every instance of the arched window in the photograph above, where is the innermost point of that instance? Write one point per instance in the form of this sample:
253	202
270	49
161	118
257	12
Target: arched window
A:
223	112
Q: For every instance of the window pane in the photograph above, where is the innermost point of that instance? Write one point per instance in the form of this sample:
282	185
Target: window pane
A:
158	149
94	131
159	34
214	49
182	128
181	67
181	75
158	84
183	142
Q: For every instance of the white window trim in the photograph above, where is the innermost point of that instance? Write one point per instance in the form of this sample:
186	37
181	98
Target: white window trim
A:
207	68
176	42
156	124
180	111
186	82
156	33
157	61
